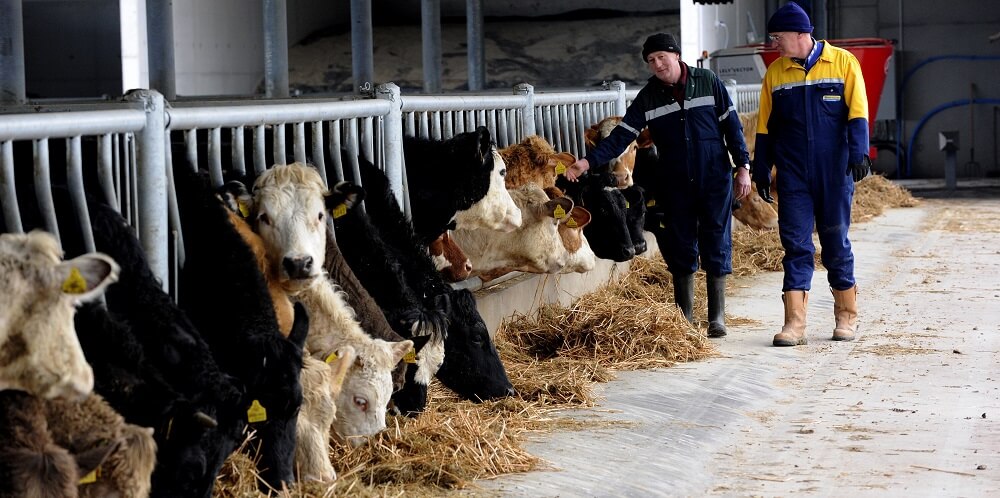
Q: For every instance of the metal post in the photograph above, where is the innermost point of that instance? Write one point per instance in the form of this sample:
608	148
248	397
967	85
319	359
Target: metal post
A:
12	86
275	22
160	40
819	19
948	142
528	112
393	130
151	172
430	20
477	47
620	106
362	46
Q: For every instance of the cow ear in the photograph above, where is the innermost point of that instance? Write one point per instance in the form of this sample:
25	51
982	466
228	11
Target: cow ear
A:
399	350
559	208
485	143
591	135
345	360
89	460
578	216
86	276
644	140
561	158
344	196
235	196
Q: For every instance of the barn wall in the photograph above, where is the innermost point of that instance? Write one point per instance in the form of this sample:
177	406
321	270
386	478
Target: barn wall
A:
72	48
931	29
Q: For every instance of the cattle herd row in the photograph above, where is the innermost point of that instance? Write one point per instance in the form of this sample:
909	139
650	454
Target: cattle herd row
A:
304	312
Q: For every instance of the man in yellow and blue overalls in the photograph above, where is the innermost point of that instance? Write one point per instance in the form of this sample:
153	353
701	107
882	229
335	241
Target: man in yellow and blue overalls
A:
813	127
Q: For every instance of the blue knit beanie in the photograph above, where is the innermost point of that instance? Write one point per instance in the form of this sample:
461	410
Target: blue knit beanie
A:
791	18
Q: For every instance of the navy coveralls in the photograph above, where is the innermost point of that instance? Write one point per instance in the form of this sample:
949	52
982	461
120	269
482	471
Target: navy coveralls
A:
813	123
693	180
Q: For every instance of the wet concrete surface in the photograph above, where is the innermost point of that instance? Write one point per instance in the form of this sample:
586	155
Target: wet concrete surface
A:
912	408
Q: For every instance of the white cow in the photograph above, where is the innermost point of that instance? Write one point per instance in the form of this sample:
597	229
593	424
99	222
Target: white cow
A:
289	213
497	210
534	247
39	350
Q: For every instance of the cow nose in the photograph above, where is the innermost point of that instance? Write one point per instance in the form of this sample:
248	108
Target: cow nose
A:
640	248
298	267
468	266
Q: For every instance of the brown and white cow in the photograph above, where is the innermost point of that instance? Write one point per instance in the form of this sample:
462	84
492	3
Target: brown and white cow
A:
623	165
534	161
534	247
449	258
39	349
581	257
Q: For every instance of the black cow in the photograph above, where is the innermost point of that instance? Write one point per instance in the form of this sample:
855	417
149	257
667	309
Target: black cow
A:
635	216
607	231
226	296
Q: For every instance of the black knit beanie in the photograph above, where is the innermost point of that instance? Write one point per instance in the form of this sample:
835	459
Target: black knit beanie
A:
658	42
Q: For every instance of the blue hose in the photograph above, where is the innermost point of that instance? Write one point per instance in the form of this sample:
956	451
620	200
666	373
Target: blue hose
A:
930	114
902	90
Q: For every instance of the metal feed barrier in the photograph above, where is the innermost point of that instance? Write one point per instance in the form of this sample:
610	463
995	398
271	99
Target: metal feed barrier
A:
137	139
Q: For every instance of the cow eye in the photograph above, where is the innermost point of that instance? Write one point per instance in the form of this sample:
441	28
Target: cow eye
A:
263	218
503	172
361	403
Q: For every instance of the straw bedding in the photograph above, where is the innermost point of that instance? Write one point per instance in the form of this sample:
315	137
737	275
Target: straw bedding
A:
554	357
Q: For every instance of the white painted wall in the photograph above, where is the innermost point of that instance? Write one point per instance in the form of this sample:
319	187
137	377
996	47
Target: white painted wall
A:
707	28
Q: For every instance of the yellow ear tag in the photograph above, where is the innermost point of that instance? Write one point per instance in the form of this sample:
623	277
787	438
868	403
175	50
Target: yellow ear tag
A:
560	168
558	213
91	477
651	203
332	357
256	413
244	210
410	356
74	283
340	210
627	205
571	223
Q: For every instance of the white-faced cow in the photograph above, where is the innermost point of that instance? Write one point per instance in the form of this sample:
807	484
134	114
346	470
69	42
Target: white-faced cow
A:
535	247
581	257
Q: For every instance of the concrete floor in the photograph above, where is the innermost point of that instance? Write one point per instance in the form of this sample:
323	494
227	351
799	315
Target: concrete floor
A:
912	408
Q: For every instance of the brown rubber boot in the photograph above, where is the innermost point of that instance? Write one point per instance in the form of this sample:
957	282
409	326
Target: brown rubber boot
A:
793	333
845	310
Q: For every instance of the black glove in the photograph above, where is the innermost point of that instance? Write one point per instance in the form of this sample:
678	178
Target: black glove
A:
860	171
764	189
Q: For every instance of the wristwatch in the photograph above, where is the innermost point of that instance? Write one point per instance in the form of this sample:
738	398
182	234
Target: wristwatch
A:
744	166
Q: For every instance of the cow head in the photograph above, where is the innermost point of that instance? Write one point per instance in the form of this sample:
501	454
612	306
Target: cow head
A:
289	213
472	367
365	392
39	349
756	213
449	258
623	165
496	210
635	216
534	161
581	257
607	231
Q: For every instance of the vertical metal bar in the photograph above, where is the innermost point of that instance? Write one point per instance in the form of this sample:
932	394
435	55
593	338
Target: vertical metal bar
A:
299	142
74	180
477	47
362	46
116	144
43	187
191	146
237	150
393	139
215	156
317	150
353	150
335	152
581	131
12	82
565	137
8	192
104	168
436	125
259	156
275	26
160	42
367	139
278	136
173	212
446	129
152	183
819	19
502	129
430	21
620	106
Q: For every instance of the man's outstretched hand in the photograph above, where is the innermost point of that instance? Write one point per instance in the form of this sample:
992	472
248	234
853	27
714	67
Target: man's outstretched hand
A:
576	169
